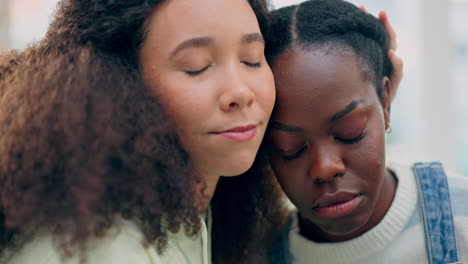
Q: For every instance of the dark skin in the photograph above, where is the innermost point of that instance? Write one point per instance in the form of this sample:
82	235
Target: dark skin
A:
328	144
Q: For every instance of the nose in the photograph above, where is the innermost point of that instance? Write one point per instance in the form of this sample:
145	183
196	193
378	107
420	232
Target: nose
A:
236	92
326	163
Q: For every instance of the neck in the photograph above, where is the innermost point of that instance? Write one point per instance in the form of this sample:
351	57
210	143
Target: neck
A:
205	190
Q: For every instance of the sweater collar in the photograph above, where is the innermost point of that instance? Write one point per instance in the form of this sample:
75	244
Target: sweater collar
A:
369	243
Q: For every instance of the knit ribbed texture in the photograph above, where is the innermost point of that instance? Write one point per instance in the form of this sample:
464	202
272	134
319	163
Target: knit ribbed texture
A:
369	243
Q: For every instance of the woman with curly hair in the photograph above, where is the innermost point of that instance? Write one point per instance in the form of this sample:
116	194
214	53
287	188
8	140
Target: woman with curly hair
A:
117	127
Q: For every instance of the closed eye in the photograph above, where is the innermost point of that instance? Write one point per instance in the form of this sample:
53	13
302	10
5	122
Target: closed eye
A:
349	141
295	155
253	65
198	72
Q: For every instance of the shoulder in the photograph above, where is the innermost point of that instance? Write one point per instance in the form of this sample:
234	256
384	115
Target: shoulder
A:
458	188
457	181
122	245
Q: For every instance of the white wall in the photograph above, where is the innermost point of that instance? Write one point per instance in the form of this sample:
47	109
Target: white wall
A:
4	28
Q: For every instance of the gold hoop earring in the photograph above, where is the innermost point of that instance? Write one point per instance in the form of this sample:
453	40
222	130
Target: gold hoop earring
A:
388	130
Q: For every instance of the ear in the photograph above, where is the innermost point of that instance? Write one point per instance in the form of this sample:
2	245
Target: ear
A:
386	100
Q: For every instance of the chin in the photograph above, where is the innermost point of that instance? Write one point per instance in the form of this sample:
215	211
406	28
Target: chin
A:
346	229
239	165
342	230
232	172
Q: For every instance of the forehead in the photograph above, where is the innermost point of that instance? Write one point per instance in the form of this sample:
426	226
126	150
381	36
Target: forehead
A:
318	80
180	19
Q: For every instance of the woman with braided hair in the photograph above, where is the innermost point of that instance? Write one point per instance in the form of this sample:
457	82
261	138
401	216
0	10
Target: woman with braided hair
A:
326	143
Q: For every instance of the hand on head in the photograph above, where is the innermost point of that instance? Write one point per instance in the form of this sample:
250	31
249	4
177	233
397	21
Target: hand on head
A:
397	62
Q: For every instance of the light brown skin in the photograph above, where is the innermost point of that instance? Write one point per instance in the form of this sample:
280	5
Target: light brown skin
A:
326	155
104	146
211	77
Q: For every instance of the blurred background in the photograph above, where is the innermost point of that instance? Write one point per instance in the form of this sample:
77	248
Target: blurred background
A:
430	112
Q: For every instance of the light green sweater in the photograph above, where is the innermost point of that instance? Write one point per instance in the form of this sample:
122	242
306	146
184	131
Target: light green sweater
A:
123	245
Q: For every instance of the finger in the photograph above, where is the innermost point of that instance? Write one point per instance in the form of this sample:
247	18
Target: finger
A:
363	8
397	73
383	17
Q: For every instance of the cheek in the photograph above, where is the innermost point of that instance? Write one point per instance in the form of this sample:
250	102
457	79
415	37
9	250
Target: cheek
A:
264	87
290	178
369	159
188	103
177	92
376	148
278	168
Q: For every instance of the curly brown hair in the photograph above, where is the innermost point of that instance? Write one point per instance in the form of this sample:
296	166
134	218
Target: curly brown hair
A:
8	62
83	140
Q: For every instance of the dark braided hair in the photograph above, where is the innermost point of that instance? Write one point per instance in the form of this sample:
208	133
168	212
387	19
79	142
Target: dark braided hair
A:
332	24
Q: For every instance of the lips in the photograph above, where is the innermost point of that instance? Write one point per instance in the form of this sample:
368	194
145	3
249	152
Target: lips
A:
337	205
240	133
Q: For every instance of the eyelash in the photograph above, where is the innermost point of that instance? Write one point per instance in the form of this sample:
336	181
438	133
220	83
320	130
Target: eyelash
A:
351	140
253	65
196	73
295	155
342	140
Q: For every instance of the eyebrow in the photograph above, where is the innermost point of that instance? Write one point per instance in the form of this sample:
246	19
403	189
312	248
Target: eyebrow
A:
193	42
253	37
205	41
283	127
349	108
